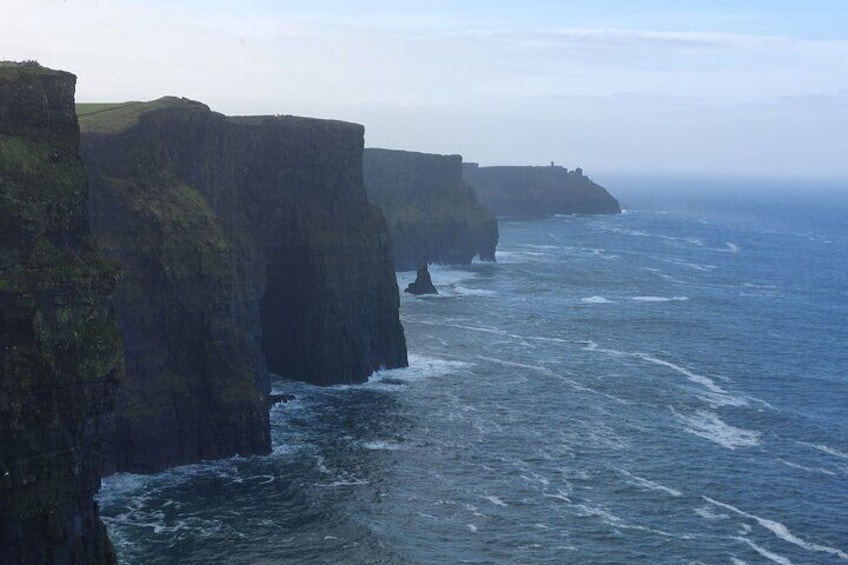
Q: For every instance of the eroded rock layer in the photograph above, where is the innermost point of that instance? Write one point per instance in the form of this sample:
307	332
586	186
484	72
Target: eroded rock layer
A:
60	351
433	215
247	245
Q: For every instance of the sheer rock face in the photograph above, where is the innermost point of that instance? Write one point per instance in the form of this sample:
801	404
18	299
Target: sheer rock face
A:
247	245
60	351
433	215
535	192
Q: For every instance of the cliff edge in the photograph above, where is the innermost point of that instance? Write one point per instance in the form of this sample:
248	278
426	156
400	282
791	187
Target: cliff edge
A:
536	192
433	215
60	351
248	246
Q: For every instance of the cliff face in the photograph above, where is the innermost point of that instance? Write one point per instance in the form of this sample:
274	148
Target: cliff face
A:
60	352
533	192
243	240
433	215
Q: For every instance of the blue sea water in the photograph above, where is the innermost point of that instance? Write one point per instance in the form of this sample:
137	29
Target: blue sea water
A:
664	386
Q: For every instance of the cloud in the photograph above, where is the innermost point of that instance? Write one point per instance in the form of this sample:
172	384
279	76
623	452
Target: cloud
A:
600	97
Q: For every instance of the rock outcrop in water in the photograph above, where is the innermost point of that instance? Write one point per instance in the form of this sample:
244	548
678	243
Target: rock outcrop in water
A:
433	215
247	245
535	192
60	351
423	283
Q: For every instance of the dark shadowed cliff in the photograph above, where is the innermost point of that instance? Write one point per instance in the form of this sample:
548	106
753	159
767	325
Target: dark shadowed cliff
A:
60	352
247	245
532	192
433	215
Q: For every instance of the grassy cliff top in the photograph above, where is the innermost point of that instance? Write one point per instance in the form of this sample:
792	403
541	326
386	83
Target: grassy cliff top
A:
17	68
112	117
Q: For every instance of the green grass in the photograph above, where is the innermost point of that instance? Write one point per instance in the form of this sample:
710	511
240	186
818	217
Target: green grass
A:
86	109
112	117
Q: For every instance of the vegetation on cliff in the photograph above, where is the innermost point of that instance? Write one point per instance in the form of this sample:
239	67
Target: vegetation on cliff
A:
247	244
60	351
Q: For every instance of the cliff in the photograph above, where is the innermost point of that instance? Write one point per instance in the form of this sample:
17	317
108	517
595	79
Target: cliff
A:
60	351
247	245
433	215
533	192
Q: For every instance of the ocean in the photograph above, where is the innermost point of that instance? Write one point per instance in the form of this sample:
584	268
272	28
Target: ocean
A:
668	385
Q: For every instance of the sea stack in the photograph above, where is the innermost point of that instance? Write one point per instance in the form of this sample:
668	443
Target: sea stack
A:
60	350
422	284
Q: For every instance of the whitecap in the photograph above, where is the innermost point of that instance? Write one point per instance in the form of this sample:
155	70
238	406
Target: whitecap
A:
420	367
709	513
702	380
731	247
472	527
380	445
808	469
771	556
709	426
825	449
596	300
781	531
650	485
660	298
495	500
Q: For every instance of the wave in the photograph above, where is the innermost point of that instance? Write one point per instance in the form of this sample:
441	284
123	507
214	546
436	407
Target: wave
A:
709	426
781	531
825	449
808	469
650	485
420	367
771	556
597	300
716	395
495	500
548	372
381	445
660	298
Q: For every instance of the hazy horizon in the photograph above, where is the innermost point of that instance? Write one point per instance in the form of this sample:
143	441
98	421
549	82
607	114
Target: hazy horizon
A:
756	89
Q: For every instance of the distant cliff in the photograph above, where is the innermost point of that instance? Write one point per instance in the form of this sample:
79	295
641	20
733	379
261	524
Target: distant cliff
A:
247	245
60	352
433	215
532	192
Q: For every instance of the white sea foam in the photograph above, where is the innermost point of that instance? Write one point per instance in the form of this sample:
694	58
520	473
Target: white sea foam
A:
825	449
660	298
781	531
650	485
770	555
420	367
709	513
495	500
596	300
702	380
731	247
709	426
380	445
808	469
559	495
737	561
472	527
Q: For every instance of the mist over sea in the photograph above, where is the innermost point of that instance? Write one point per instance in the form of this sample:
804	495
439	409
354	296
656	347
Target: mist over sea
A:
667	385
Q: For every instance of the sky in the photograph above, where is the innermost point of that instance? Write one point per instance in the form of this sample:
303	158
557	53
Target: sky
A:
746	87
